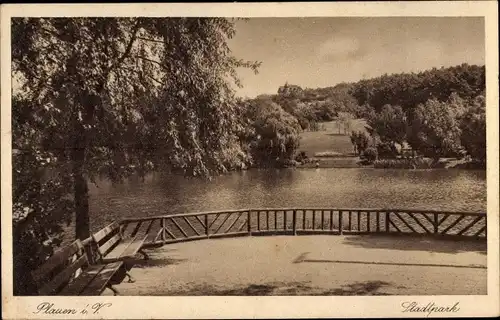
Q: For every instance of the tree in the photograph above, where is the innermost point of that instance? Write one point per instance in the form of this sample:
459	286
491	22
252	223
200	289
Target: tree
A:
290	91
116	95
345	119
275	133
435	129
408	90
354	137
473	127
389	125
360	141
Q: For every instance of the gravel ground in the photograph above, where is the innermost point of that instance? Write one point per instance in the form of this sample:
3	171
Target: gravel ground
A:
312	265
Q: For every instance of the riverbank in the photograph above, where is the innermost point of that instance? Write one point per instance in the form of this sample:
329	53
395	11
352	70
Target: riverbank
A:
331	147
407	164
331	162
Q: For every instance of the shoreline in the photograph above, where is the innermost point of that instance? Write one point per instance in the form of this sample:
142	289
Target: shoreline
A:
353	163
372	167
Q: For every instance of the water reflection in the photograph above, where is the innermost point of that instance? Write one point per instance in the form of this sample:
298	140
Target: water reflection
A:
160	194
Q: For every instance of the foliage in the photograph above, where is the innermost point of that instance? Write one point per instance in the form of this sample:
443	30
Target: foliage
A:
386	150
435	128
473	128
345	119
290	91
409	90
275	133
414	163
40	207
389	124
434	111
359	141
328	154
370	154
301	157
110	96
315	105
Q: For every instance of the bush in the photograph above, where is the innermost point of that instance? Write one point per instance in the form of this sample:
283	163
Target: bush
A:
370	154
360	141
314	126
386	151
416	163
328	154
301	156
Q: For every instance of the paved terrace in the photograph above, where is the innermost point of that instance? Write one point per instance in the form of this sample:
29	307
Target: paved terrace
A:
312	265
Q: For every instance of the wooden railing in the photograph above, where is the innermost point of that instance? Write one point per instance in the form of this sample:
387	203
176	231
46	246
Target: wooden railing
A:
193	226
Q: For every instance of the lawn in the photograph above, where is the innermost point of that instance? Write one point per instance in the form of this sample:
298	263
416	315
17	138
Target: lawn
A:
328	139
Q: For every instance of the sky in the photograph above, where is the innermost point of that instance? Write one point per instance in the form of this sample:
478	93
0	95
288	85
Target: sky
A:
321	52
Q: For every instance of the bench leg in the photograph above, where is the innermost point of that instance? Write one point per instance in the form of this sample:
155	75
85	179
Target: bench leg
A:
130	279
115	292
146	257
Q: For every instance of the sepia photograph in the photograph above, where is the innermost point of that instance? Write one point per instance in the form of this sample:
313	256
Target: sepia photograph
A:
177	156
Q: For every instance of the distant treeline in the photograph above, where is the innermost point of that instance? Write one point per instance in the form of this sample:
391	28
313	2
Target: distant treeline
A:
438	112
408	90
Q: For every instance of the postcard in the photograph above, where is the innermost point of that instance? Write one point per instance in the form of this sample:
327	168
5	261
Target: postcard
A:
250	160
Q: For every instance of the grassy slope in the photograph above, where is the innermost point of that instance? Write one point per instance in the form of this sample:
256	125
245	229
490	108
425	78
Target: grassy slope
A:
329	138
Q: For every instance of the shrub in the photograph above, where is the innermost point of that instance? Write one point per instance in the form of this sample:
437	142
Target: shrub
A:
386	151
301	156
327	154
417	163
360	141
370	154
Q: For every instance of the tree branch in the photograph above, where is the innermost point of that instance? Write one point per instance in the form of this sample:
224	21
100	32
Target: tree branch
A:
152	61
151	40
147	75
135	30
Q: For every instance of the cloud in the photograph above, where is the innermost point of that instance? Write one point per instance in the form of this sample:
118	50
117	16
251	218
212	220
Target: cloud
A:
339	48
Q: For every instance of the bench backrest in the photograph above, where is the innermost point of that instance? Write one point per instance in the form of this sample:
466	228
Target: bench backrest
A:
107	238
60	268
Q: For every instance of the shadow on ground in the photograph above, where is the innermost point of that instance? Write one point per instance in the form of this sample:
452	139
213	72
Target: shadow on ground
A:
416	243
156	260
334	134
369	288
284	289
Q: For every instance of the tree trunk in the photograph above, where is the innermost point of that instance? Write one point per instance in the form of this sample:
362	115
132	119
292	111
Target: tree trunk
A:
81	194
78	157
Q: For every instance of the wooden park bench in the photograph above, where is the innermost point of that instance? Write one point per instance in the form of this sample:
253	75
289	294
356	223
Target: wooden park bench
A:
112	246
69	273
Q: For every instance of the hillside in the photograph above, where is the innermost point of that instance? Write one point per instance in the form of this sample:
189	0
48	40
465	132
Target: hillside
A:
328	139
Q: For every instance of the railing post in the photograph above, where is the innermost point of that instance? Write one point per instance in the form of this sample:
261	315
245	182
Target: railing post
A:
340	222
285	216
368	216
387	218
294	222
163	232
322	219
359	220
436	223
207	226
314	220
249	223
331	220
267	220
258	220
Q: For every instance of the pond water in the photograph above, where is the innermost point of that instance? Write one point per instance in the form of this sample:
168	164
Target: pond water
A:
457	190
